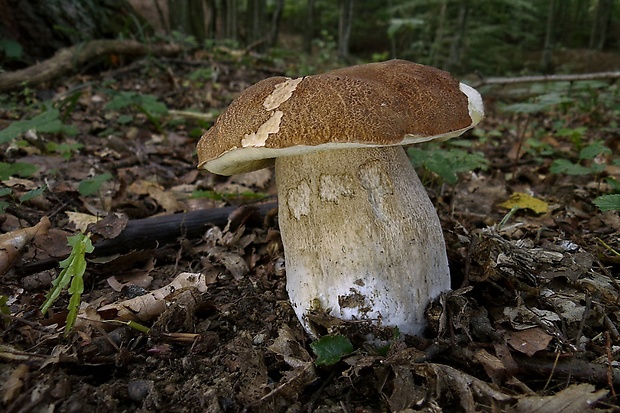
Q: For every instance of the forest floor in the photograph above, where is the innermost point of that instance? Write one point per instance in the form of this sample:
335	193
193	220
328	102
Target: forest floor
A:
532	323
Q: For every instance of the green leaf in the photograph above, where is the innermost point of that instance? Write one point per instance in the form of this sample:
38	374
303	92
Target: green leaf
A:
539	104
33	193
447	163
608	202
46	122
123	119
564	166
613	183
91	186
330	349
593	150
22	169
64	149
208	194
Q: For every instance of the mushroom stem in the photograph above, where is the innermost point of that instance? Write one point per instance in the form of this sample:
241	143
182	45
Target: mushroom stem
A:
361	237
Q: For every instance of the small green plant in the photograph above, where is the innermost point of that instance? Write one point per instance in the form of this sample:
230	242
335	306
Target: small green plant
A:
7	198
63	149
608	202
92	186
22	169
540	103
330	349
152	108
575	135
447	163
45	122
72	275
585	165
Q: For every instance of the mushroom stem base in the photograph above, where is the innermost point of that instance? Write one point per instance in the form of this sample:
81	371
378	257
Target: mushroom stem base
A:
361	237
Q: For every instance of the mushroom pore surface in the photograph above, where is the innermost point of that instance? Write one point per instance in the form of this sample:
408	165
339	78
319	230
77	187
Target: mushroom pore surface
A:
361	237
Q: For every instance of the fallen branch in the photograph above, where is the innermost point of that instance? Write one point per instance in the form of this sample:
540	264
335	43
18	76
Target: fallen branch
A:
68	59
579	370
545	78
154	232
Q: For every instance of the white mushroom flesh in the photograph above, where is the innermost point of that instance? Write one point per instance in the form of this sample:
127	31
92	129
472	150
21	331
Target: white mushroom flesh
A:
362	239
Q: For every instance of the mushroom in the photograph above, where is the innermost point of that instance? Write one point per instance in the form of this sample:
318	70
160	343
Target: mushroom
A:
361	237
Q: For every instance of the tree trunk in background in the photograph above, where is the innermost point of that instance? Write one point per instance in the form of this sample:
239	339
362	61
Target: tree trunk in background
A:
600	23
457	43
230	17
545	61
309	28
43	26
212	29
275	22
188	17
438	42
344	28
256	36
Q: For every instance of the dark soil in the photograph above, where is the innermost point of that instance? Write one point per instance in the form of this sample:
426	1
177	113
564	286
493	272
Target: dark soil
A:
532	323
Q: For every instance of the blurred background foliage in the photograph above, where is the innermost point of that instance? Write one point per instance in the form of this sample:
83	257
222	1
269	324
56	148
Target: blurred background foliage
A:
489	37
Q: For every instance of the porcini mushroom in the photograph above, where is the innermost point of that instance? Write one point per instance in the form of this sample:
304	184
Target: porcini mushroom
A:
361	237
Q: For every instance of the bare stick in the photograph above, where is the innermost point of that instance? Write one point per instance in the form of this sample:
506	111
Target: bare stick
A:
68	59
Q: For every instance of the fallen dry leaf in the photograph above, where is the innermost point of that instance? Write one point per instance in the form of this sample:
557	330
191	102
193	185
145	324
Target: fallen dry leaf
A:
528	341
80	220
13	385
577	398
493	366
524	201
164	198
12	243
110	226
147	307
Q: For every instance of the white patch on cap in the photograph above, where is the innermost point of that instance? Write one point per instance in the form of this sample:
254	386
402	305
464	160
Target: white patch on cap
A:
257	139
475	104
281	93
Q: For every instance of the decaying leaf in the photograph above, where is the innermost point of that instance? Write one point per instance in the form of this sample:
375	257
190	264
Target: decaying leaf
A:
577	398
248	363
80	220
295	355
110	226
493	366
469	388
233	262
148	306
164	198
12	387
12	243
528	341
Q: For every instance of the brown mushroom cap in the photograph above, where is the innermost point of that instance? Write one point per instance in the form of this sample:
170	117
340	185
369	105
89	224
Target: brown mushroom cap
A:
378	104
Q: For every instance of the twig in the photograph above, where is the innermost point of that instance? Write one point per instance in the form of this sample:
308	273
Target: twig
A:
209	116
545	78
578	369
